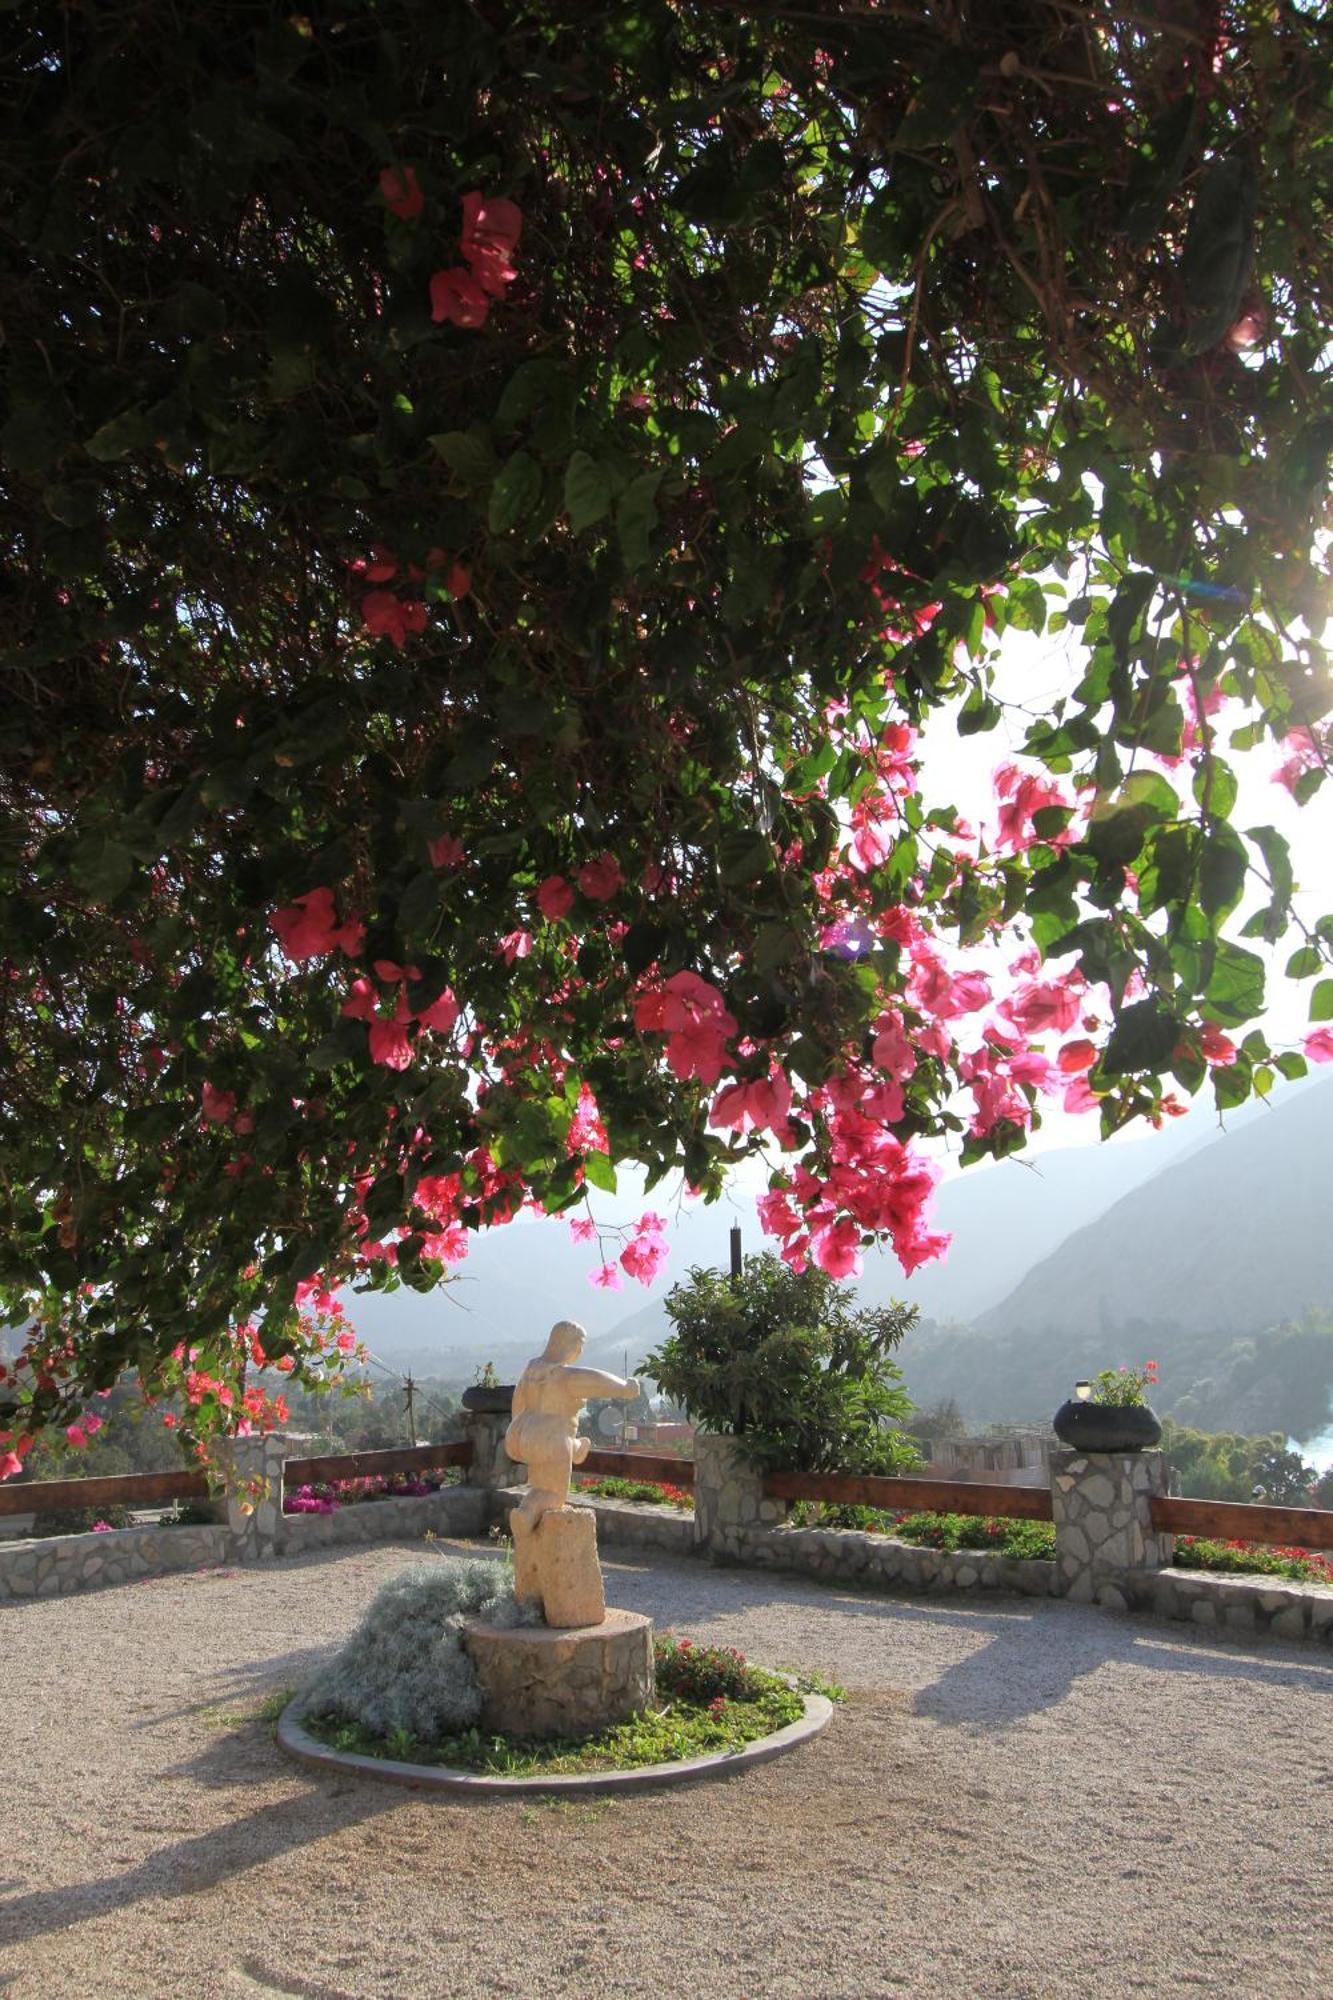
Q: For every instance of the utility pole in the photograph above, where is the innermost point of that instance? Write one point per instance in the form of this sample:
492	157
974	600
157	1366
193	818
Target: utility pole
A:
735	1253
409	1391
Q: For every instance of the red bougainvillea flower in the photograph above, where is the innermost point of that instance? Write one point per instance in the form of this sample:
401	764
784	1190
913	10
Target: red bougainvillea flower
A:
362	1003
1218	1049
555	898
1075	1057
491	229
459	580
456	296
399	187
390	617
219	1105
600	879
308	927
446	852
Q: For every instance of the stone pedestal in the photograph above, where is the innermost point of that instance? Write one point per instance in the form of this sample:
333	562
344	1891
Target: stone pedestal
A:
729	1502
491	1464
252	1503
556	1563
1101	1502
539	1680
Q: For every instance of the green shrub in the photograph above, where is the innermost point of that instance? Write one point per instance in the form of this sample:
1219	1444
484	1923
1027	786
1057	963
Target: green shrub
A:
405	1671
77	1520
998	1536
784	1362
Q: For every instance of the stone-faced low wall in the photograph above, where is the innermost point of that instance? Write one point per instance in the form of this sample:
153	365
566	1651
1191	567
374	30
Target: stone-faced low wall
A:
60	1563
1238	1604
626	1523
846	1555
454	1510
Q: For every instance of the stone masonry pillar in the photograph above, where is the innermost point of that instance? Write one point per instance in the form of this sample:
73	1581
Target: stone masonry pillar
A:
491	1464
729	1503
252	1503
1103	1526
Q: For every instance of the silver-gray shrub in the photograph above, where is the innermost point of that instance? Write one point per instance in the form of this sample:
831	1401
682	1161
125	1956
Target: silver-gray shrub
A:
405	1665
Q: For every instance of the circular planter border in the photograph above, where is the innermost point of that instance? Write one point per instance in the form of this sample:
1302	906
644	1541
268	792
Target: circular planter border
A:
307	1749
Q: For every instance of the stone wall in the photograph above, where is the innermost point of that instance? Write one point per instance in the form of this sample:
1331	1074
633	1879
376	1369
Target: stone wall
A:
60	1563
1102	1504
1235	1604
844	1555
627	1523
454	1510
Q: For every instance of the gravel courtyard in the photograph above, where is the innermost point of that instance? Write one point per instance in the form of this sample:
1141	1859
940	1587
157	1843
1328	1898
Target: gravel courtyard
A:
1021	1799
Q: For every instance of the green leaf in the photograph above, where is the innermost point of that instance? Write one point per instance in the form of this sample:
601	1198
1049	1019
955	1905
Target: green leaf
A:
128	432
515	493
636	517
102	866
1235	992
1142	1040
1321	1001
468	454
598	1168
587	491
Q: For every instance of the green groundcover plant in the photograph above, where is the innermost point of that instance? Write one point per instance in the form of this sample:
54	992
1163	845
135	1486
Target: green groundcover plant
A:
930	1530
710	1700
497	504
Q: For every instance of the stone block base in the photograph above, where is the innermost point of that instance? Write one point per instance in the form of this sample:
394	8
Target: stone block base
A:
539	1680
556	1563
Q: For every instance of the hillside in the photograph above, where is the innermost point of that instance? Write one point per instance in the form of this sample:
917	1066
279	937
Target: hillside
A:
1231	1239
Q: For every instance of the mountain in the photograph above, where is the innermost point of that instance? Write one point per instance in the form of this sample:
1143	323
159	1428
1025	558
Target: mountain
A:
1197	1268
1233	1238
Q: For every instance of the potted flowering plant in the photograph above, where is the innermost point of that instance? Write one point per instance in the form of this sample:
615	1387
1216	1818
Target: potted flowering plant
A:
1111	1413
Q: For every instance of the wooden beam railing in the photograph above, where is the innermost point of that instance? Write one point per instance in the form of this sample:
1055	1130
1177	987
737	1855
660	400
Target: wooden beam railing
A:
377	1464
1234	1520
944	1496
638	1465
122	1489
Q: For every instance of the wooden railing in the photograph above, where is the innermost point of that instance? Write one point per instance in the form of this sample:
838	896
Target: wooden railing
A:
123	1489
1233	1520
639	1465
944	1496
377	1464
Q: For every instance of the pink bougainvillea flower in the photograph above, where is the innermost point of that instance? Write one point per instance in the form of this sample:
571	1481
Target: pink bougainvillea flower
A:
92	1423
441	1014
872	844
760	1105
608	1277
1305	753
381	566
390	617
600	879
491	229
389	970
515	944
1319	1045
308	927
837	1251
399	187
447	852
389	1043
362	1003
219	1105
1041	1005
10	1464
582	1228
555	898
456	296
644	1256
76	1436
1075	1057
1026	795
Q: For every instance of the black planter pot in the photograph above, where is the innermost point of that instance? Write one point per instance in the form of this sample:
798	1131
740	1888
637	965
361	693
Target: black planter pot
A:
1106	1426
496	1402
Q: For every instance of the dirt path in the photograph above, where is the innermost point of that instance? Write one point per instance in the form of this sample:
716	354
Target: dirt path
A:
1021	1800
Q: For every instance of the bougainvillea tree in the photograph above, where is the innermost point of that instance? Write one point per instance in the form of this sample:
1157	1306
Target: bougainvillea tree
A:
492	495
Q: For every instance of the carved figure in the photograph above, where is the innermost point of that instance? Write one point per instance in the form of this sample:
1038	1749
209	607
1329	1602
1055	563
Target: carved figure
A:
555	1545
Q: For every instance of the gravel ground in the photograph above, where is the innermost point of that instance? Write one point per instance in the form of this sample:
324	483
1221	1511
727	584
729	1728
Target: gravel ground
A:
1021	1799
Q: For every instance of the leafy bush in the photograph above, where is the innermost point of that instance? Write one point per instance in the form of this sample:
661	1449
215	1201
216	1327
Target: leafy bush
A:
1001	1537
405	1668
1252	1559
702	1673
78	1520
784	1362
655	1492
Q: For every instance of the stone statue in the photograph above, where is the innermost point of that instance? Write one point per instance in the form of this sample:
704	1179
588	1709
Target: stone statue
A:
555	1545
